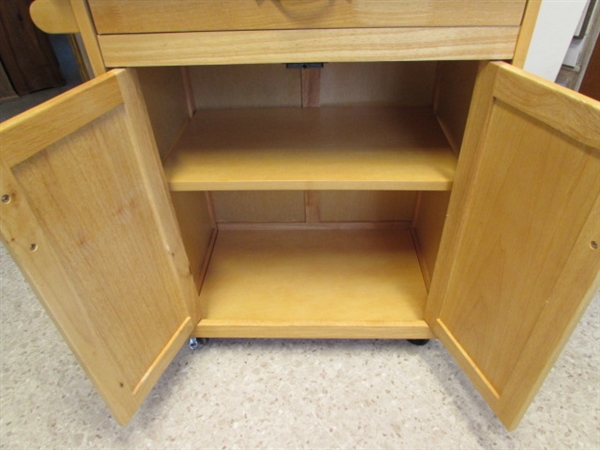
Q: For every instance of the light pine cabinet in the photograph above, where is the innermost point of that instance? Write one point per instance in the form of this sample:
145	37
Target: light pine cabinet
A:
405	189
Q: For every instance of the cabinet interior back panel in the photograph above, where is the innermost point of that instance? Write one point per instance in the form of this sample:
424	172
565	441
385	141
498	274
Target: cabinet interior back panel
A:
379	83
245	86
258	206
366	206
271	85
325	206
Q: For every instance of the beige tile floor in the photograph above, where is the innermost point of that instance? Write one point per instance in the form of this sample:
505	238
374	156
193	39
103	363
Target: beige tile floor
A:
283	394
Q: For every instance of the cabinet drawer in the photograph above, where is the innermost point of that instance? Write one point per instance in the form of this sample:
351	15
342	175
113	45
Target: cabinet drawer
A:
156	16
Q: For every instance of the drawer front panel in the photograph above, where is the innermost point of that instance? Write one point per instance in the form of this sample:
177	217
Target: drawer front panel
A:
331	45
158	16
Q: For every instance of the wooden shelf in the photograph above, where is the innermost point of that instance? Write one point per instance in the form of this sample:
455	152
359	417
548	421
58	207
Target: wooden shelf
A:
314	283
356	147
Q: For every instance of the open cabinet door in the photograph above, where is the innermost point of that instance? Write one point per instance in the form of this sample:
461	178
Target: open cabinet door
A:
86	215
519	260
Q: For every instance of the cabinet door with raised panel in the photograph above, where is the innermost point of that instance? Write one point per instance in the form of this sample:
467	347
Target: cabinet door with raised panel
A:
519	261
86	215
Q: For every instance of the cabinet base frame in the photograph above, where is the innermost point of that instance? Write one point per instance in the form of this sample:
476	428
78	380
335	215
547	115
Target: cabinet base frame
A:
312	330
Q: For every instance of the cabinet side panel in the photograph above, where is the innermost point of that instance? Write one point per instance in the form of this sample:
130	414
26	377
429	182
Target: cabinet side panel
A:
87	31
526	32
452	98
428	225
165	95
195	223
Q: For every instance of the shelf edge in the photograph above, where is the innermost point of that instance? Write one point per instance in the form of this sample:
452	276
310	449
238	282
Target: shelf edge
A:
417	329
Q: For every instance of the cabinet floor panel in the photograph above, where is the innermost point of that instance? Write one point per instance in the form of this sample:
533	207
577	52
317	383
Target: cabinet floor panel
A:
314	283
338	147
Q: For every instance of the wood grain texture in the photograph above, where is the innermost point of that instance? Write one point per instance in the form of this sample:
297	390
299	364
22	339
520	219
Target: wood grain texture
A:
567	111
89	37
323	277
303	226
258	206
152	178
51	282
165	96
160	16
26	134
209	328
340	84
560	317
517	242
196	227
95	205
481	105
366	206
311	88
378	83
428	225
332	45
526	32
312	206
540	241
313	148
245	86
189	90
452	98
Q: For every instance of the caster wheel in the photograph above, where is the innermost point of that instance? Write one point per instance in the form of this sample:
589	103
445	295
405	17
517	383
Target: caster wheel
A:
418	342
196	343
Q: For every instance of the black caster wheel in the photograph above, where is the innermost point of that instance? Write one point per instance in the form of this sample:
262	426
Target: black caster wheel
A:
418	342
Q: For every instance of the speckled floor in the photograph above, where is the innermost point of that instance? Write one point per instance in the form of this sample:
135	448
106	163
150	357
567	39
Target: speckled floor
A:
283	394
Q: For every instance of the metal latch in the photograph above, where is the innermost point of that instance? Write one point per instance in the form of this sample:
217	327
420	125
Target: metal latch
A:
304	66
